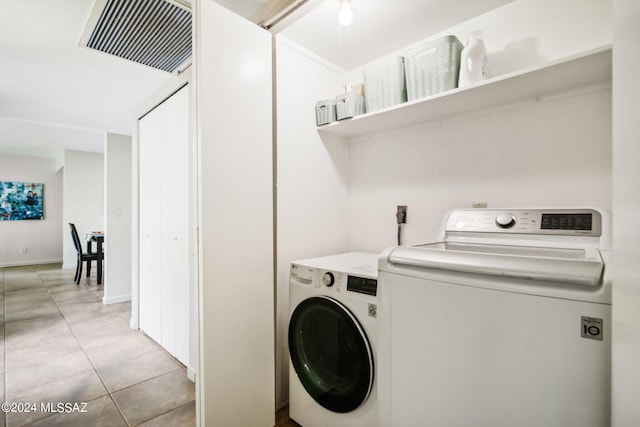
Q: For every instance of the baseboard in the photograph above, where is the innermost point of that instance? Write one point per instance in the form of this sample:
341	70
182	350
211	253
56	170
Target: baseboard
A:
116	300
191	374
31	262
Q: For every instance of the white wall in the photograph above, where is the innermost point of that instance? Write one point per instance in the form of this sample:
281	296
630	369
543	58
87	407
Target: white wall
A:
626	205
553	153
43	239
83	198
311	179
234	90
117	267
549	153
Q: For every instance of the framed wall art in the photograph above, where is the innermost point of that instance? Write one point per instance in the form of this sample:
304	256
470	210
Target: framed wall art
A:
21	201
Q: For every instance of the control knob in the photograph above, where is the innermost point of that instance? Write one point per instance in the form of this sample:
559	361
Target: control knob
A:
505	220
328	279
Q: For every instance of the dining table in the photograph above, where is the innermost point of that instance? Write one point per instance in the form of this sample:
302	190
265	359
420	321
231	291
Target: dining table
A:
98	237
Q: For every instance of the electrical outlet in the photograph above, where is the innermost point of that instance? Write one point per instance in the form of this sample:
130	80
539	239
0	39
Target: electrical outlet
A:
23	251
401	214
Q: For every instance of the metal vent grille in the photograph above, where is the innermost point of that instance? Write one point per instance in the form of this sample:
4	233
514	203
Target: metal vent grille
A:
151	32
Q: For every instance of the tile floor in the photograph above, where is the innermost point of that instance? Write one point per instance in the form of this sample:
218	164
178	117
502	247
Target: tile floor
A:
59	345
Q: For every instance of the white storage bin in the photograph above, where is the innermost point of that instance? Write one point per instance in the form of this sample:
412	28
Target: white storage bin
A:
325	112
433	67
348	105
384	84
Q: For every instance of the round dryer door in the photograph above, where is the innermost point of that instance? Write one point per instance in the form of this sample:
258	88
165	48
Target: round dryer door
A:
331	354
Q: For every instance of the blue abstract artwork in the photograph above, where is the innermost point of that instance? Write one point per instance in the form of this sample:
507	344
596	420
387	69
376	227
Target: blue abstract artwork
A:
21	200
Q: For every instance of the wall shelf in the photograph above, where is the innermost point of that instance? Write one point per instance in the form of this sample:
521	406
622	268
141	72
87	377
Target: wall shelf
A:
591	68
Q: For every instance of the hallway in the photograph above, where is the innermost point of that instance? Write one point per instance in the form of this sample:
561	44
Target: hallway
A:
69	360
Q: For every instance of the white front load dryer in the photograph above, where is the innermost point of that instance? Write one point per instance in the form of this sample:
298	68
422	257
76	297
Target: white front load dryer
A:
333	338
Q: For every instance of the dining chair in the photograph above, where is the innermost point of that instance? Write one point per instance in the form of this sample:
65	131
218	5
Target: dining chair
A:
82	256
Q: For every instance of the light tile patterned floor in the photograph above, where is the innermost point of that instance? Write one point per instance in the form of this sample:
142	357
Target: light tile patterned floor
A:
61	345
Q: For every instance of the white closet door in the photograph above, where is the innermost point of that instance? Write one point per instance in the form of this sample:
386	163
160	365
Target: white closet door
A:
182	243
164	224
175	222
150	210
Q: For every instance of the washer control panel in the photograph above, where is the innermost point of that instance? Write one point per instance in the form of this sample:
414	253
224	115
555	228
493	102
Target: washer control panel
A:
337	281
566	222
342	281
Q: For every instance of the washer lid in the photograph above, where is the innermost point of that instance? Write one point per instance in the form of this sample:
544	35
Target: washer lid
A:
537	263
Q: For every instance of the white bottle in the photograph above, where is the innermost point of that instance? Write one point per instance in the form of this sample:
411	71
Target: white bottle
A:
474	64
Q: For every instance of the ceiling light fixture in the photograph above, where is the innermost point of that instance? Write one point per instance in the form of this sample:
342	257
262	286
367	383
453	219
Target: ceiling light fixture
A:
345	16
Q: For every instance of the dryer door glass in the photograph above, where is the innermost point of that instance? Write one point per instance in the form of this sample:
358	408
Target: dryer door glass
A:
331	354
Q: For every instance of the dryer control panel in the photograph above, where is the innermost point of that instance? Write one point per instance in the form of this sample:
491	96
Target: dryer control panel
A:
565	222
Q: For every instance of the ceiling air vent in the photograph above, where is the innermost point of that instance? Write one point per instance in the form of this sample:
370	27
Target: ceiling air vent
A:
156	33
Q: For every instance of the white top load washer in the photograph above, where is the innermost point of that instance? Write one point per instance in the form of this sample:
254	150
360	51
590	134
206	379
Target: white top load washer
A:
333	338
505	321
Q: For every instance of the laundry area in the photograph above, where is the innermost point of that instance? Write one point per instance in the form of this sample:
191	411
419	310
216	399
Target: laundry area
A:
373	213
485	326
428	217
